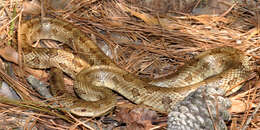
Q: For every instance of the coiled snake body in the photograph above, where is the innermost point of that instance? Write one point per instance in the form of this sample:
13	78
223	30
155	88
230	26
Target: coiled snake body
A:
96	75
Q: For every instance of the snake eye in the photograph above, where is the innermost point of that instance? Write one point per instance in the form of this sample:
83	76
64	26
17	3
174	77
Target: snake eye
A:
83	110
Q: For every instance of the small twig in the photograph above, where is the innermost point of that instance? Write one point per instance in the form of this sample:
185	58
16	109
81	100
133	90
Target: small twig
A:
210	112
34	106
250	118
42	9
19	87
78	122
229	9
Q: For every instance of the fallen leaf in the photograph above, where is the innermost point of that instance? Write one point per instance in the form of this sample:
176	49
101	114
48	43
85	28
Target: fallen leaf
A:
138	118
239	106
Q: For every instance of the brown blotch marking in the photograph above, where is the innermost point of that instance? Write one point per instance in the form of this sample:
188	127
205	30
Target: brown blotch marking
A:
135	92
222	61
77	62
82	39
188	78
166	101
205	65
116	80
83	110
104	61
93	51
91	61
237	64
128	77
233	81
191	61
26	51
75	72
99	56
68	27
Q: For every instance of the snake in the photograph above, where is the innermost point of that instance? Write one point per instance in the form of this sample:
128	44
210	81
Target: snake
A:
98	79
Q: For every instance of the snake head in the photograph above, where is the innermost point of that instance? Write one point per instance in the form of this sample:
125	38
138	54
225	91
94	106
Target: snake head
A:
83	111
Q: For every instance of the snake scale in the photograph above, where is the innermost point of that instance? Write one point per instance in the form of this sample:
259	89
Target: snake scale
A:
95	75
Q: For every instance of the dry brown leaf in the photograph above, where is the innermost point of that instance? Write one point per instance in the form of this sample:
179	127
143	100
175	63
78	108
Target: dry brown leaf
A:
239	106
31	7
9	54
148	19
138	118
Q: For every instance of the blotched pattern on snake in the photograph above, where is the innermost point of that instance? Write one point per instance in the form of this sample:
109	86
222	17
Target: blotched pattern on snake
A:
96	75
